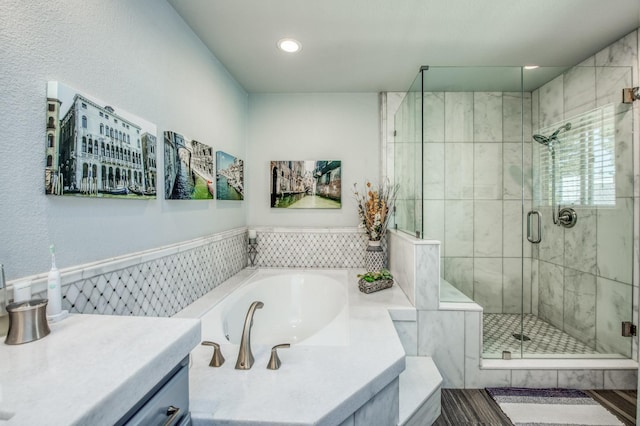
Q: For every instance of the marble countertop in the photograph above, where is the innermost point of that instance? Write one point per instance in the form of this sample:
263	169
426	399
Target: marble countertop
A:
320	385
91	369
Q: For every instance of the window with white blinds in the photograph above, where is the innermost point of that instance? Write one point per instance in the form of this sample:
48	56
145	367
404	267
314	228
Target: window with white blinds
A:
585	160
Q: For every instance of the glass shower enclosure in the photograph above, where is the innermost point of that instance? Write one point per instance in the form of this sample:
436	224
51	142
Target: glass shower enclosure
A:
526	177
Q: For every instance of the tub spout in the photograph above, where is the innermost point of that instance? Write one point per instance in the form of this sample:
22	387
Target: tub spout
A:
245	357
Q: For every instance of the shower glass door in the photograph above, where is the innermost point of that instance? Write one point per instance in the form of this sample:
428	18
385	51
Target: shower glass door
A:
581	147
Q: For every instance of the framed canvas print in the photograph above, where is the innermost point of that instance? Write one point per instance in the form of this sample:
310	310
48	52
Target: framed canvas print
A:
306	184
188	168
94	149
229	177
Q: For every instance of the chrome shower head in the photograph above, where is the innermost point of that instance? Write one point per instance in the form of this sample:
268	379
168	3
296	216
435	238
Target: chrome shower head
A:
560	129
548	140
542	139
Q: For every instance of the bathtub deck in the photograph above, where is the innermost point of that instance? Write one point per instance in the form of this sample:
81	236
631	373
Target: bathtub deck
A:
325	384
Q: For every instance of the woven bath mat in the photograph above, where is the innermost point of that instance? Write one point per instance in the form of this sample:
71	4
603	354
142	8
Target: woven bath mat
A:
538	407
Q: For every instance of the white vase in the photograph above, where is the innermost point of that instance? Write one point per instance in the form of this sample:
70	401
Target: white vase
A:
374	257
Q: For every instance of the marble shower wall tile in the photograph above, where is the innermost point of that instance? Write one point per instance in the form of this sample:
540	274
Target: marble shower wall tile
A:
551	105
579	90
459	272
434	167
408	334
428	273
434	117
512	121
487	116
458	164
487	229
621	379
534	378
458	228
580	242
551	248
441	336
516	293
623	52
551	293
614	306
474	377
487	283
624	154
581	379
487	174
512	171
433	221
535	287
512	229
405	154
458	114
580	306
402	264
609	84
615	241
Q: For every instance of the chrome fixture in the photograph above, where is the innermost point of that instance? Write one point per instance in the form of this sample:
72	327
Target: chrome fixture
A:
629	329
548	140
27	321
274	361
245	357
217	359
529	233
630	94
566	216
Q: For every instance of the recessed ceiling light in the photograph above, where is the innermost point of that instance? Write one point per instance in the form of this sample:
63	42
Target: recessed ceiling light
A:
289	45
530	67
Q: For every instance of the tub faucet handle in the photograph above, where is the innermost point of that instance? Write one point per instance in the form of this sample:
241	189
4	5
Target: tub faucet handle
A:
217	359
274	361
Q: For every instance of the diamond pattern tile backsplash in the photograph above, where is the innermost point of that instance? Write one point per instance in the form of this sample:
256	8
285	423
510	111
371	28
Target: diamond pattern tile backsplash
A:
162	286
176	276
281	248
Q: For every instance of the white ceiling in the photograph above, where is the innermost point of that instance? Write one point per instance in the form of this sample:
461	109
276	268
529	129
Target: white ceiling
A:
379	45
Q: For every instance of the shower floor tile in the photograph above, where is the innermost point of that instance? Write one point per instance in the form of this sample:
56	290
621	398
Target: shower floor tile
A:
498	330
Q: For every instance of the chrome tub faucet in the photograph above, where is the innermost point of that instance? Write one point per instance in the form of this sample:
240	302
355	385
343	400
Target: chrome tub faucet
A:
245	357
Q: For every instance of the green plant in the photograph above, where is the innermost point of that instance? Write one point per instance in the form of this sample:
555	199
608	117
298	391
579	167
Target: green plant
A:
382	274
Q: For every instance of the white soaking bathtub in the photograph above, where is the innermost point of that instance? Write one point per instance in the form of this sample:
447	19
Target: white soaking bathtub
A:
305	308
345	355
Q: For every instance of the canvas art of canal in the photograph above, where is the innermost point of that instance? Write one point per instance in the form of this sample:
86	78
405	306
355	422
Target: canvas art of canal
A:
229	177
306	184
188	168
94	149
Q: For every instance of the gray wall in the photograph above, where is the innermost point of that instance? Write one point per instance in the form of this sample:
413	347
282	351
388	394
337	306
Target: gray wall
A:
311	126
141	57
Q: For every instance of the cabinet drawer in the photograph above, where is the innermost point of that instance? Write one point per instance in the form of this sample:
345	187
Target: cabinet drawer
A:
174	393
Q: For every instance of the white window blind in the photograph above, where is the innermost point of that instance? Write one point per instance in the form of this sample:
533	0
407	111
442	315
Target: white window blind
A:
585	168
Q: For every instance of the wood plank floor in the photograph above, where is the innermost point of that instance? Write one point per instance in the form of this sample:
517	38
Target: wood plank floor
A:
466	407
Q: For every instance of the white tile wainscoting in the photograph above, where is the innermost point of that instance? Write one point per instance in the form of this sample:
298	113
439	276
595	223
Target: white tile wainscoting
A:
163	281
158	282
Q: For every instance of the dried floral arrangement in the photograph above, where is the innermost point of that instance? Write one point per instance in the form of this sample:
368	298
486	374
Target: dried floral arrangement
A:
374	207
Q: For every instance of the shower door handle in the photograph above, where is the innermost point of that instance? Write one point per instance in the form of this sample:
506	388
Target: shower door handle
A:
529	226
